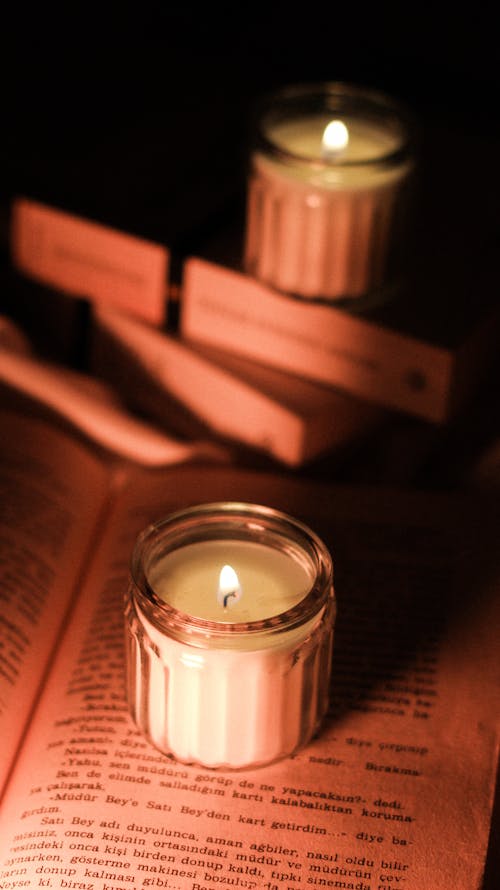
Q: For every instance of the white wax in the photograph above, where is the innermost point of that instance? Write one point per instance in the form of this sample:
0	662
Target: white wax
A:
354	166
270	581
319	223
233	699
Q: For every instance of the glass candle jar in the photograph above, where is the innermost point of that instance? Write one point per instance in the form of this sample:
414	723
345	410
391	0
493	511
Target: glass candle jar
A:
229	627
327	190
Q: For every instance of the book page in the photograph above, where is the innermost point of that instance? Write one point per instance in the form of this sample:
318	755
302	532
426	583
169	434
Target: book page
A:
395	791
47	519
93	409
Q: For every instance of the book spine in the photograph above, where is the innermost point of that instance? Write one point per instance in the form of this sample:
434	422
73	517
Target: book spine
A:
322	343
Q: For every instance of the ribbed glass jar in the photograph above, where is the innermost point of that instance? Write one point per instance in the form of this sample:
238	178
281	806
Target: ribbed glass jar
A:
229	626
328	191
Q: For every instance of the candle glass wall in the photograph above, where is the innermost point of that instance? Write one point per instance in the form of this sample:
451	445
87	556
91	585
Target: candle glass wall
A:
328	191
229	626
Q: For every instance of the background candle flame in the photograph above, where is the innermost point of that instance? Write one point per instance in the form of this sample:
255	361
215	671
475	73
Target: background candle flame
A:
229	591
335	139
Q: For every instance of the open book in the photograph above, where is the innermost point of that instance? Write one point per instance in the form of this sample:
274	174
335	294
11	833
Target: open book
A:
397	788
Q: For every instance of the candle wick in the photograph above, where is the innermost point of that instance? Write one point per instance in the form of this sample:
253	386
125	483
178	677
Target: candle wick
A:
229	587
227	596
331	154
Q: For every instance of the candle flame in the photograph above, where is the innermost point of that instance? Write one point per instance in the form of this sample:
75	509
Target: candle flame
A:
335	139
229	591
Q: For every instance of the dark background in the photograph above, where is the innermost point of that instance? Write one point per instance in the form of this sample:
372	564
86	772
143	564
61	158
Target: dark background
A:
139	115
130	112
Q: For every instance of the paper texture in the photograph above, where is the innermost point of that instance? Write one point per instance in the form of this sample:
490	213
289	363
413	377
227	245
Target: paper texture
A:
396	790
87	259
47	520
229	310
285	416
95	409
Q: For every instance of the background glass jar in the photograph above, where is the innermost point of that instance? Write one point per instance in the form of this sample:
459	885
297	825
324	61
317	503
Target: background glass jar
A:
328	191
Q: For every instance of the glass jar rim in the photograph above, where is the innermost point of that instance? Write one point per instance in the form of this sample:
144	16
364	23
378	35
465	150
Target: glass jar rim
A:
242	521
333	97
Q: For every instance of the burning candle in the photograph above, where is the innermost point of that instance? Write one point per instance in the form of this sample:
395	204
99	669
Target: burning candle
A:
229	616
326	191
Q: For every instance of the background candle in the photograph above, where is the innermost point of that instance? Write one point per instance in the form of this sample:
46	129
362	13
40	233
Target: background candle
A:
324	210
221	679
